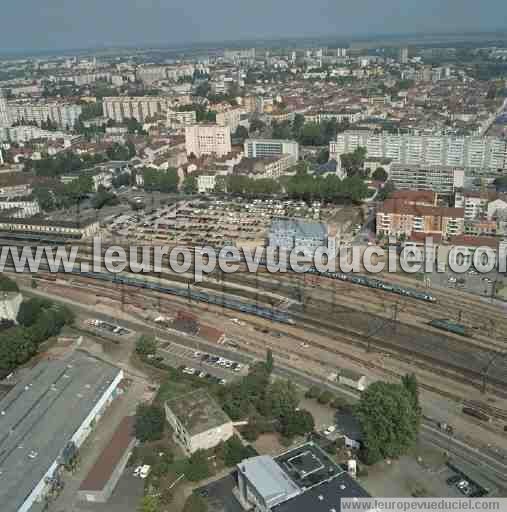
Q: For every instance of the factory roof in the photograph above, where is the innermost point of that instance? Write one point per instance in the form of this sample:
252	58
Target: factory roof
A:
39	417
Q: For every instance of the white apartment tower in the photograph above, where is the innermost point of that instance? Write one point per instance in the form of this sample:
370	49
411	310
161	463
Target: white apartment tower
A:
207	139
4	112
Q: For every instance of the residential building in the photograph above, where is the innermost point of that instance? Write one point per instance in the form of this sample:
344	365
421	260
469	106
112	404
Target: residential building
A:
139	108
273	168
181	119
101	480
49	414
207	139
302	479
265	148
5	120
470	152
396	218
206	183
198	421
64	115
288	233
230	118
439	178
404	55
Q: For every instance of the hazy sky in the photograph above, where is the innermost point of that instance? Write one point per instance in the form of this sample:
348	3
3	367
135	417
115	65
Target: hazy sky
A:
41	24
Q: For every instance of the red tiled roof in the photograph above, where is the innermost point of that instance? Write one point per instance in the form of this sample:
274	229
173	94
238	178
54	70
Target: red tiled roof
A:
103	468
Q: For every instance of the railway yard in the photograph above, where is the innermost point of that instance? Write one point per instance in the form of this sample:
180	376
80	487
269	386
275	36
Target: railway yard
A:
316	324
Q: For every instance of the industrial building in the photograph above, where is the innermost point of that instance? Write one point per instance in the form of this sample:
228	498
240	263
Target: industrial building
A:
64	229
44	419
101	481
301	480
288	233
198	421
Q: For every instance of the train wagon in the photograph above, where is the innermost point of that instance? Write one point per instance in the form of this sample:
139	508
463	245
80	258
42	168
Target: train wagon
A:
449	326
475	413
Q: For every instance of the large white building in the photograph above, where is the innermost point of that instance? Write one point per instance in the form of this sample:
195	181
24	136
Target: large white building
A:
438	178
469	152
64	115
267	148
5	121
207	139
198	421
140	108
181	119
48	415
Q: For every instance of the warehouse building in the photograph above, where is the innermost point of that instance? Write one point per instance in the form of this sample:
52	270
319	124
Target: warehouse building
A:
300	480
287	233
44	420
198	421
102	479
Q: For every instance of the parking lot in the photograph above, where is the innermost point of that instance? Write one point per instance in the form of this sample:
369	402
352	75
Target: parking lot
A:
200	363
107	328
219	495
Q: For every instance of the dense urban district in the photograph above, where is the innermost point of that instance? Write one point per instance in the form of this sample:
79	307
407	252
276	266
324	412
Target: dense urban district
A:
272	392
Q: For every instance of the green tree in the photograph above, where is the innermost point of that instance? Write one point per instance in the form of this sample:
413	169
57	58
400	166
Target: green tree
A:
380	174
281	399
325	397
353	162
270	364
241	133
389	420
314	392
7	284
146	345
197	467
190	184
299	423
234	451
149	504
149	422
195	504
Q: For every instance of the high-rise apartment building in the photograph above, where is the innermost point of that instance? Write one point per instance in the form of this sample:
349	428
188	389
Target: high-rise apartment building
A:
404	55
5	121
438	178
470	152
267	148
64	115
140	108
207	139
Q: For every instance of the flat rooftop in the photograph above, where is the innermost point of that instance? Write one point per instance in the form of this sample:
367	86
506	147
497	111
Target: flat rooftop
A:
40	415
198	412
322	481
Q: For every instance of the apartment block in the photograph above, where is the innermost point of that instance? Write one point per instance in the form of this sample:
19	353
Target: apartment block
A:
265	148
140	108
470	152
207	139
64	115
396	218
443	179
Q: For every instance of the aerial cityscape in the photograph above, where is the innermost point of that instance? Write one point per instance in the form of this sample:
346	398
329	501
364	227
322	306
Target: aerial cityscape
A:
253	256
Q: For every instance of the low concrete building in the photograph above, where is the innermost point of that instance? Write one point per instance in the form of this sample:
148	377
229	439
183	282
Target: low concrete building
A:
198	421
101	481
9	305
352	379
